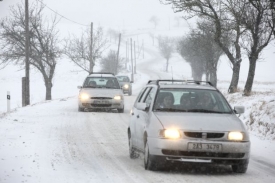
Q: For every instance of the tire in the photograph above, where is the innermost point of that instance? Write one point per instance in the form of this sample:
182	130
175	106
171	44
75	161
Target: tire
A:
132	152
241	167
149	162
120	110
80	109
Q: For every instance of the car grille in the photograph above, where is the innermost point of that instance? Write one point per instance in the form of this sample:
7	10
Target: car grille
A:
200	135
101	98
202	154
101	105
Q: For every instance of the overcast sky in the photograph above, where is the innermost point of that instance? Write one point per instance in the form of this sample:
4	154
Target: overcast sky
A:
116	14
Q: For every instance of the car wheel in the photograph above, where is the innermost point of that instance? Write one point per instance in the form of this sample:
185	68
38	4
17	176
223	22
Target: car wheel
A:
120	110
149	163
241	167
132	152
80	109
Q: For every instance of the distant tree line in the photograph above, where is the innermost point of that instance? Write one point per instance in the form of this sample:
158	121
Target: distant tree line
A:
233	26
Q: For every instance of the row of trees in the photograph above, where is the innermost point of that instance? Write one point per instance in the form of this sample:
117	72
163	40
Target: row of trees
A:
45	45
234	26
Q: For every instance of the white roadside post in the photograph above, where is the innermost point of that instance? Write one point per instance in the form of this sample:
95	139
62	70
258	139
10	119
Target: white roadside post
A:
8	101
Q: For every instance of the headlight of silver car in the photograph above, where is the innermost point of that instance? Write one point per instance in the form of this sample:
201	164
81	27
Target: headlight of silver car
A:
84	96
170	133
126	86
117	97
235	136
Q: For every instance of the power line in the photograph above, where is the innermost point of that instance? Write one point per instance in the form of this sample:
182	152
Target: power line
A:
62	15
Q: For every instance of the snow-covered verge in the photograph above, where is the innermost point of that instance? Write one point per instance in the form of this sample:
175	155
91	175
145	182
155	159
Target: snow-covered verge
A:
259	116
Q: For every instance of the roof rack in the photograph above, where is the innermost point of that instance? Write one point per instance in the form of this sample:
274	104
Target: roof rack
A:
183	81
102	73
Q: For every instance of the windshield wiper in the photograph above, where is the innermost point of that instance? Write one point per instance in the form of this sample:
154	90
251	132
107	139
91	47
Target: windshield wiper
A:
171	110
204	110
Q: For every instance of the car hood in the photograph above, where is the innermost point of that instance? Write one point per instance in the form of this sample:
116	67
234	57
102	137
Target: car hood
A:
200	121
101	92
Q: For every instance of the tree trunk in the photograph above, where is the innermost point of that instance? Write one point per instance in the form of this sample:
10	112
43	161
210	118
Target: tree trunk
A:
235	78
167	64
251	74
48	85
197	76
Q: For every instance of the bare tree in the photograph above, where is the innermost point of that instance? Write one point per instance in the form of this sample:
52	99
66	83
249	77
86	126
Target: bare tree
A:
166	48
44	51
154	20
78	49
202	52
225	16
259	22
110	63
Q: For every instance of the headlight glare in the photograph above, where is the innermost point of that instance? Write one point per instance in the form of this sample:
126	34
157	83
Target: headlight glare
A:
117	97
236	136
126	86
84	96
170	133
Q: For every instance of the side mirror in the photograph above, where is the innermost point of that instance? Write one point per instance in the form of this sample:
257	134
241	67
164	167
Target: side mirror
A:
142	106
131	82
79	87
239	109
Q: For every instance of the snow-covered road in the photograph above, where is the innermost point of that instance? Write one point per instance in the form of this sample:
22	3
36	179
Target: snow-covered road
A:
52	142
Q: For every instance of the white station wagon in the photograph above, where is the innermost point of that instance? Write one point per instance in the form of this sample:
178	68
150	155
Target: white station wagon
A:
101	91
188	122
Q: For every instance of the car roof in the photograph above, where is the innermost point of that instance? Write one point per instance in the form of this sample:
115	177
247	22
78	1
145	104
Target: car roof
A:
190	84
101	74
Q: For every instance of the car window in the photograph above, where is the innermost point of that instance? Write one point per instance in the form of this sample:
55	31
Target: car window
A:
101	82
150	96
191	100
140	94
141	99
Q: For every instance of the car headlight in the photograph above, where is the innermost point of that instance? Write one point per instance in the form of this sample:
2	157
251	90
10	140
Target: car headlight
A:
236	136
117	97
126	86
170	133
84	96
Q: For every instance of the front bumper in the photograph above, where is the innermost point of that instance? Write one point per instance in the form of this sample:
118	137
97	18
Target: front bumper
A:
110	104
177	150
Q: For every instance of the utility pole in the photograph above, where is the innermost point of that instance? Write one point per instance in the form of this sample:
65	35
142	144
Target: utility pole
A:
132	78
135	58
26	80
91	51
126	55
117	59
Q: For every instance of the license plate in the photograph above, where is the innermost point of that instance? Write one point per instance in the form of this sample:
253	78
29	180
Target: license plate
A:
204	147
101	102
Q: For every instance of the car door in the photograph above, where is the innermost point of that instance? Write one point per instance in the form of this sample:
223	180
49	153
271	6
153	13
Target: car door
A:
133	118
143	117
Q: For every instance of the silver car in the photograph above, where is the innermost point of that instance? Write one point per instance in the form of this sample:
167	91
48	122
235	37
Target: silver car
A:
188	122
101	91
125	84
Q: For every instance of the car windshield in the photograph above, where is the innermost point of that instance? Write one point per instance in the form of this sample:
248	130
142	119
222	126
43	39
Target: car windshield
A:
123	79
101	82
191	100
